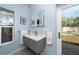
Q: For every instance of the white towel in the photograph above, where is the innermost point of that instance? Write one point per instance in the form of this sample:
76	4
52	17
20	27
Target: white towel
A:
22	33
49	38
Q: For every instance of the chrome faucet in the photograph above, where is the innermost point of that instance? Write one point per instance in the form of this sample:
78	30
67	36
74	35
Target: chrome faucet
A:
35	32
28	31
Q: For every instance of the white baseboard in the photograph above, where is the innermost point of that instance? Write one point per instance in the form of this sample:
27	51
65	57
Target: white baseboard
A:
16	51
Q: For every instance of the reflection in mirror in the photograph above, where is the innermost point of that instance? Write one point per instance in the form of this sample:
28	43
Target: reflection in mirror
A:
38	19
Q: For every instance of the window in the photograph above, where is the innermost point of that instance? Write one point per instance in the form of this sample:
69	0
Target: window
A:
6	26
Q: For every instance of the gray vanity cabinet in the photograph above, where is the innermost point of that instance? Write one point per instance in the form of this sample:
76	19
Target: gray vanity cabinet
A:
36	46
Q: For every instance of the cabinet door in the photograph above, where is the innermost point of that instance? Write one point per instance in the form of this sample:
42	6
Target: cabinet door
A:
6	34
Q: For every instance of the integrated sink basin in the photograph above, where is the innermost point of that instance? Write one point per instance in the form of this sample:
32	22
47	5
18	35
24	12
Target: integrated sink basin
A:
34	37
36	43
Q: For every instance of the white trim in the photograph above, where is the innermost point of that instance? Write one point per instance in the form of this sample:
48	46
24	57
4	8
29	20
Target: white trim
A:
68	6
6	43
59	43
6	26
19	49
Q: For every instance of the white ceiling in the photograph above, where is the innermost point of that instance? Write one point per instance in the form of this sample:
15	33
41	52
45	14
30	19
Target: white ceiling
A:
62	5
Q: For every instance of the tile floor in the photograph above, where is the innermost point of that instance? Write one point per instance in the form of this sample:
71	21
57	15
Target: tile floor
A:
70	49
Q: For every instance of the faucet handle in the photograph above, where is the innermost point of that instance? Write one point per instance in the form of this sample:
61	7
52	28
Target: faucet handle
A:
28	31
35	32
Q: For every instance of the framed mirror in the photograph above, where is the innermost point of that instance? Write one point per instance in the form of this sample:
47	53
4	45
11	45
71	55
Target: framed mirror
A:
23	20
38	19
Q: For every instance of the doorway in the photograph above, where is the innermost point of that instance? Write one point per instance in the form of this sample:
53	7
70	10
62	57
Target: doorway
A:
69	29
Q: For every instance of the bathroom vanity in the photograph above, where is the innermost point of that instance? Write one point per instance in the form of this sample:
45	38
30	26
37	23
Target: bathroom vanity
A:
36	43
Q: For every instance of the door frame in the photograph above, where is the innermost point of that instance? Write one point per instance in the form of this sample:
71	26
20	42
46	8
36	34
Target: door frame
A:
58	25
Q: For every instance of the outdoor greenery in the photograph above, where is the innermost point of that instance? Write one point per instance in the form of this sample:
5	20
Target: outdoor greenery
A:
70	22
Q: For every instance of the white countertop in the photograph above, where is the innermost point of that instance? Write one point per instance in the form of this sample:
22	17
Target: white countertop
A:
34	37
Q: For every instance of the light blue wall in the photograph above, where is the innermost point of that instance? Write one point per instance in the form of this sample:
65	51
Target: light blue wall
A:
20	10
27	11
49	22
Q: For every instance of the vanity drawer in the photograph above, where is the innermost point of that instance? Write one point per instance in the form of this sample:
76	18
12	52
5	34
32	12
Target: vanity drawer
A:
36	46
